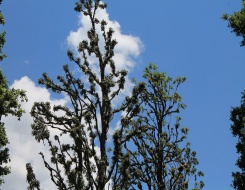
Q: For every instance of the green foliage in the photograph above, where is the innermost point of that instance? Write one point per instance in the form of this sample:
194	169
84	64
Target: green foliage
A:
9	99
161	157
238	128
86	120
9	104
4	153
2	35
236	22
81	156
31	178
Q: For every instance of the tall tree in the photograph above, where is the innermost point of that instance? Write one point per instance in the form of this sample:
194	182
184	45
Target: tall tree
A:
238	130
83	162
81	155
236	22
9	104
161	159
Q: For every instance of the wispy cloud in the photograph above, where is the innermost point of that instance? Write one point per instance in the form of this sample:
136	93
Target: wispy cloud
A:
27	62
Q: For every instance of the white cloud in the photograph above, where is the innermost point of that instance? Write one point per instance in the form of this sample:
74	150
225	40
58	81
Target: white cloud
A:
128	47
23	147
26	62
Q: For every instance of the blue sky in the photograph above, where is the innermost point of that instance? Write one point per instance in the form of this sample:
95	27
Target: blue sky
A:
184	38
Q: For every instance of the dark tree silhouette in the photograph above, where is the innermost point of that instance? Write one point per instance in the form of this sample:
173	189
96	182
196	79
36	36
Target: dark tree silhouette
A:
238	130
88	117
236	22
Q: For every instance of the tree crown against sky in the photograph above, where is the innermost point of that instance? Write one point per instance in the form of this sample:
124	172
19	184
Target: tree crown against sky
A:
158	156
236	22
79	154
87	119
204	50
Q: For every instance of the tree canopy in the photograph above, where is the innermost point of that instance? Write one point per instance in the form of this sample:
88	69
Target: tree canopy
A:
83	155
158	155
236	22
84	162
238	123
